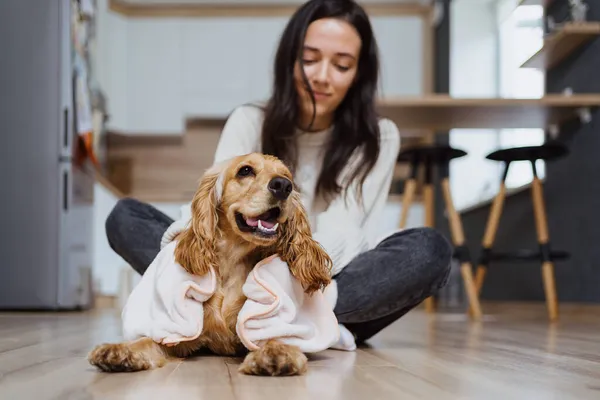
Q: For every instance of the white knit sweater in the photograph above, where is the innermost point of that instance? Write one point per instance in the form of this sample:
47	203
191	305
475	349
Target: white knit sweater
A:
341	227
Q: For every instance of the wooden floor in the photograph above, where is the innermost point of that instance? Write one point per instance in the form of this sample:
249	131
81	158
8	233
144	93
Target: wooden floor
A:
513	354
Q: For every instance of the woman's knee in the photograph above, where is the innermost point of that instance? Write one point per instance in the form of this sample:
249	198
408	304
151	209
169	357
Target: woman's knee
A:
432	251
119	216
440	251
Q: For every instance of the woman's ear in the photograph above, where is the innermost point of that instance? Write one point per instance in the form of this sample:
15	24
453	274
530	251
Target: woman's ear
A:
196	249
306	258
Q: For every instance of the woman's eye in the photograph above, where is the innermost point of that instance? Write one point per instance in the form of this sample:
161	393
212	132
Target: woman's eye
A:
343	68
245	171
308	62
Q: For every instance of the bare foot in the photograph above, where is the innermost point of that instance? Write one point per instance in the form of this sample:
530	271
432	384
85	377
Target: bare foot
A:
132	356
275	359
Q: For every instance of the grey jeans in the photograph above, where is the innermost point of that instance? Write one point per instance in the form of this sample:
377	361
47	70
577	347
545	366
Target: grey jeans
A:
374	290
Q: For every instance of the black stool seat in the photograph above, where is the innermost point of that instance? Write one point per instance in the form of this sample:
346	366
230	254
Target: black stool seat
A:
548	151
435	154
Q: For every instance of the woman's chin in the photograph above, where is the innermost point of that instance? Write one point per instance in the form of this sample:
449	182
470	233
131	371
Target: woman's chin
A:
322	117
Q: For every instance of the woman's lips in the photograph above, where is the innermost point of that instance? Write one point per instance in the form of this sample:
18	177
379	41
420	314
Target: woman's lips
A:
321	95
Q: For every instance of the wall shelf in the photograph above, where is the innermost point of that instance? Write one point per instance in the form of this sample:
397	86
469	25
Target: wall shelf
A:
562	43
237	8
544	3
441	112
166	168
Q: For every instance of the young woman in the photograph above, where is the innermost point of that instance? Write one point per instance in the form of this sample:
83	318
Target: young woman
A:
321	121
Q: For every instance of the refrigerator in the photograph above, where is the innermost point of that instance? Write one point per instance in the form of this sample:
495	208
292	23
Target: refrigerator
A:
47	192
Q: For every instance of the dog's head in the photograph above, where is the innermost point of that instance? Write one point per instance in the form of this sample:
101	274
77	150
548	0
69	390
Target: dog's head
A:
256	198
251	201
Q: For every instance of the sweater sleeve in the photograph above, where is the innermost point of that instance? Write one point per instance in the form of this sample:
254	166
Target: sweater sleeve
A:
240	135
341	229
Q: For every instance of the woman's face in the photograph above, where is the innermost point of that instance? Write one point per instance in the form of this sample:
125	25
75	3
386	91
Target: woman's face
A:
330	56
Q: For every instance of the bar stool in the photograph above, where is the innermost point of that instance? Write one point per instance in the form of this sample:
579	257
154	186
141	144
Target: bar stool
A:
429	157
545	255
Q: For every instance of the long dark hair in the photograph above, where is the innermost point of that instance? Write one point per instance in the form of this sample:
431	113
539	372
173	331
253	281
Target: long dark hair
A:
355	120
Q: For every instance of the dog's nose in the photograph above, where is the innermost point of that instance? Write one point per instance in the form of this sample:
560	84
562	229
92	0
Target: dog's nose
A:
280	188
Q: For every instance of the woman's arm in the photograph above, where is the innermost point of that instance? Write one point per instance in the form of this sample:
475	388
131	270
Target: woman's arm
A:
341	229
240	135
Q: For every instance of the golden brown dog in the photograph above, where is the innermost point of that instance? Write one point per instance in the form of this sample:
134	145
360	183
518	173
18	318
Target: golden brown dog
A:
243	211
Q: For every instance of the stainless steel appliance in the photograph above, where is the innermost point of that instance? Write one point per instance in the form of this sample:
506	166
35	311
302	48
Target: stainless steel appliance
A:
46	198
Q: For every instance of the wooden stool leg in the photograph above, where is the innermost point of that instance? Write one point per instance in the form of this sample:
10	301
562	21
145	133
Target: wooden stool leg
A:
541	222
490	231
410	187
429	200
489	237
490	234
458	238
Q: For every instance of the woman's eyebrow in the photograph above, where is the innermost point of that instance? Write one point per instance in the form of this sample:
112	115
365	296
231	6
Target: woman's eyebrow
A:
342	54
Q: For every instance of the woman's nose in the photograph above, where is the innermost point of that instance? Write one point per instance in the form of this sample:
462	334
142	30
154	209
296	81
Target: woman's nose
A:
321	75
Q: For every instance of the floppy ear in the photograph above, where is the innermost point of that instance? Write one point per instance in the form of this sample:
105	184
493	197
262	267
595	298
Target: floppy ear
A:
307	260
196	249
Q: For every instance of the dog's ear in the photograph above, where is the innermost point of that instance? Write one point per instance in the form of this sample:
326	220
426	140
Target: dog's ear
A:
306	258
196	249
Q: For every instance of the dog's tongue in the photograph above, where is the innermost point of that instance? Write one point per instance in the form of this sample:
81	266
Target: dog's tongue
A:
252	221
267	224
262	218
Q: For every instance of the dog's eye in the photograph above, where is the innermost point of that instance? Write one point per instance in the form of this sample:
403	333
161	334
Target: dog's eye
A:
245	171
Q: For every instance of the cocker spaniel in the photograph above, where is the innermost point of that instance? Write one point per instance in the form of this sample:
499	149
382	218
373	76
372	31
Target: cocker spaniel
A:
243	211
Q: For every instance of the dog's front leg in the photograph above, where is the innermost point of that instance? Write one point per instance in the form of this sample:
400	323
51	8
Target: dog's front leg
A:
275	359
130	356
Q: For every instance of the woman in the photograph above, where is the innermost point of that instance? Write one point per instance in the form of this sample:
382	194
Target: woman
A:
321	121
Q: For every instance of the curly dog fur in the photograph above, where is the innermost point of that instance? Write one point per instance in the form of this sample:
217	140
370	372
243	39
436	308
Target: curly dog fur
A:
223	235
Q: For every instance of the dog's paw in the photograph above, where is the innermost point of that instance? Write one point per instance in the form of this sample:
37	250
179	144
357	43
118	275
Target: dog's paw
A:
119	357
275	359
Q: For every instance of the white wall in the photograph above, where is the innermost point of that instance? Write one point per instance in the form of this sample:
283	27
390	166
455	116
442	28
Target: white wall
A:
488	47
110	61
158	72
107	264
474	69
517	43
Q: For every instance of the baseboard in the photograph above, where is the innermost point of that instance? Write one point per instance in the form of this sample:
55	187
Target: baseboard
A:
102	301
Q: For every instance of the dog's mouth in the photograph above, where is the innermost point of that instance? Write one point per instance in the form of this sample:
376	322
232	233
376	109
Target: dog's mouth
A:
264	224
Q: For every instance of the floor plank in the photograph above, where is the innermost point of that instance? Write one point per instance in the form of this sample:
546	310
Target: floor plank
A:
513	353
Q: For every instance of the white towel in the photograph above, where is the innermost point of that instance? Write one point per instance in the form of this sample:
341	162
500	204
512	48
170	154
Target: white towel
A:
167	303
167	306
277	307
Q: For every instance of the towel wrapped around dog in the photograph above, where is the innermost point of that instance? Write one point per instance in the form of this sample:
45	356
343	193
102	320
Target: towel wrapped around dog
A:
167	306
277	307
